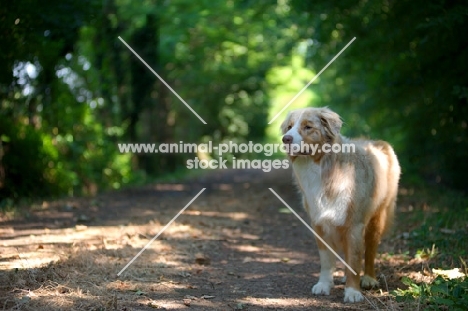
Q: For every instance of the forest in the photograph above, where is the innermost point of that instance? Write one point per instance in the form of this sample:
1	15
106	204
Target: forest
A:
71	89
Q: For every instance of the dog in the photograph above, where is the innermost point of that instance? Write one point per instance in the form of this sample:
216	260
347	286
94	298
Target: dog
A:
349	196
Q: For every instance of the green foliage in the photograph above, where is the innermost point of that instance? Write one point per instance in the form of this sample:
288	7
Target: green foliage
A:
86	152
440	229
440	293
437	221
284	84
31	166
80	91
426	253
70	90
403	79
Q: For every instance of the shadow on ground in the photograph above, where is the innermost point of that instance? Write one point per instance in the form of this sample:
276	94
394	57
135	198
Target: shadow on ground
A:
234	248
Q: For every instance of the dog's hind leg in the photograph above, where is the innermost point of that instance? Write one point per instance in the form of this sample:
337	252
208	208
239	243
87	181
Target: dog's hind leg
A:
353	247
374	231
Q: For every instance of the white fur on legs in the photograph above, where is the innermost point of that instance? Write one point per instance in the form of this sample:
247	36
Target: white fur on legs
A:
352	295
322	288
327	267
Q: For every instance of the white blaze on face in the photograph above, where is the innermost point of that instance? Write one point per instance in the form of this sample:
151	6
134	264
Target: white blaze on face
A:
294	131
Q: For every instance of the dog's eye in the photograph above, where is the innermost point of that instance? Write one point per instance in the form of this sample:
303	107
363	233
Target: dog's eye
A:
307	127
289	127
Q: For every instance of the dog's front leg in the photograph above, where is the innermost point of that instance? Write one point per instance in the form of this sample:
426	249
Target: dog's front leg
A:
327	267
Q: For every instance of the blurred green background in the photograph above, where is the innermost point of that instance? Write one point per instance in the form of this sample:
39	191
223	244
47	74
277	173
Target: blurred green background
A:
70	90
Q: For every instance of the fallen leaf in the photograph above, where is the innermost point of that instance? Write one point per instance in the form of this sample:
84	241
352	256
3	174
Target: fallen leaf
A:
201	259
285	259
187	302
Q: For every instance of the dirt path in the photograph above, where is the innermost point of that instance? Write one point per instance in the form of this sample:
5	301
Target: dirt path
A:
234	248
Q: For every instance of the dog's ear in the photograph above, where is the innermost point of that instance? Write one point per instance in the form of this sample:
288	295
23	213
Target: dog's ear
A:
331	122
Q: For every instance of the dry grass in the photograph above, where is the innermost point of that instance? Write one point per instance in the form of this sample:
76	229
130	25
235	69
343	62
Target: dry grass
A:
79	270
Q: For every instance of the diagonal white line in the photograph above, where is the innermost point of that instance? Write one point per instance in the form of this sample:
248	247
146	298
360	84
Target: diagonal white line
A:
168	86
311	81
315	233
159	233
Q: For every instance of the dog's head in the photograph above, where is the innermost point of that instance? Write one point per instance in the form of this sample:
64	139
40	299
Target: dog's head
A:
311	126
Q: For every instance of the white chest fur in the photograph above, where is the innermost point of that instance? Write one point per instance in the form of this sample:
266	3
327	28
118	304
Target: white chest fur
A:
323	210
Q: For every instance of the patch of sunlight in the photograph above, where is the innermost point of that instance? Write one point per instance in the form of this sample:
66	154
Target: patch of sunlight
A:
268	255
233	215
171	304
285	83
288	303
38	247
28	260
170	187
247	248
181	231
64	236
451	274
224	187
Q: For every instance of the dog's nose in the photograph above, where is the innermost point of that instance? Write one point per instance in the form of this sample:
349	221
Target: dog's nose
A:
287	139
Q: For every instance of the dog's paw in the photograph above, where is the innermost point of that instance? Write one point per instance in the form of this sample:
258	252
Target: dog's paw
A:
352	295
368	282
322	288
